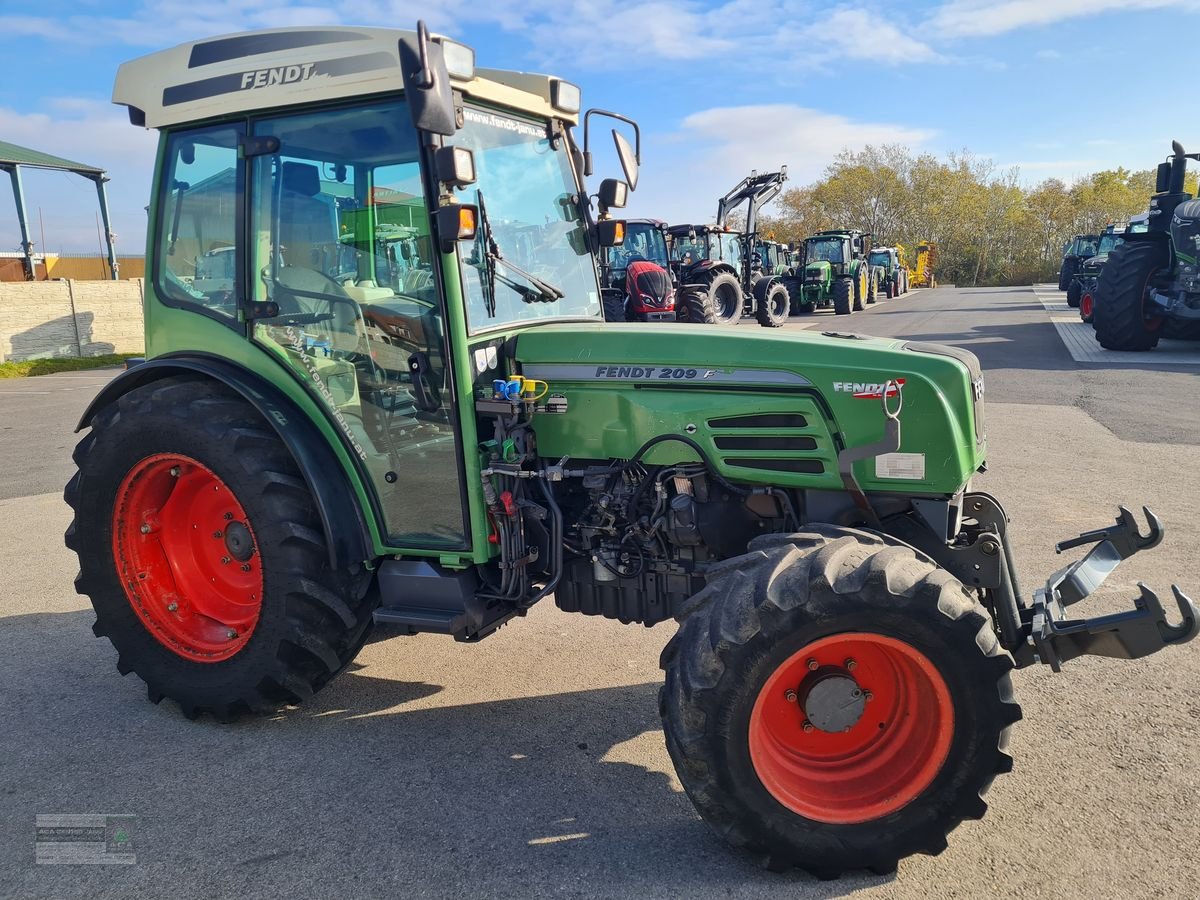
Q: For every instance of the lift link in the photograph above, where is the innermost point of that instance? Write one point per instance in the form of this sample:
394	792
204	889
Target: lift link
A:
1143	630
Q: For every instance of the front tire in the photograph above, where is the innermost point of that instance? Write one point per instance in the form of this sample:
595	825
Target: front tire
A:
614	309
834	701
1074	292
860	291
872	288
1120	317
772	310
843	297
203	553
694	305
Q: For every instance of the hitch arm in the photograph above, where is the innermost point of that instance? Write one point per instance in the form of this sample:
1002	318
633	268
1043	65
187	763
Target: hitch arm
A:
1128	635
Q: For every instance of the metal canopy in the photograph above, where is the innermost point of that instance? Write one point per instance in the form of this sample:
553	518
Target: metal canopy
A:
14	158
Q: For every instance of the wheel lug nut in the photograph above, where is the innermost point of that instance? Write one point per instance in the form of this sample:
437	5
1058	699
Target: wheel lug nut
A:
867	695
218	534
790	696
851	665
228	516
813	665
245	567
807	726
224	560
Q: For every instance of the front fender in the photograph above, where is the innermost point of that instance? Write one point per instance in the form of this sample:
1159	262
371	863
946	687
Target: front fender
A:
346	533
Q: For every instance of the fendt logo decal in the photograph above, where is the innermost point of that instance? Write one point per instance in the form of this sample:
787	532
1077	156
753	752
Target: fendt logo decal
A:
867	390
260	78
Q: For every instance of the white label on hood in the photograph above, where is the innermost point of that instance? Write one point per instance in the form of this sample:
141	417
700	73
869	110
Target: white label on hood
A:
910	466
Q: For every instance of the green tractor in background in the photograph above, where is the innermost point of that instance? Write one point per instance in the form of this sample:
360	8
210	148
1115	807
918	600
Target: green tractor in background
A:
836	273
1150	285
277	479
891	273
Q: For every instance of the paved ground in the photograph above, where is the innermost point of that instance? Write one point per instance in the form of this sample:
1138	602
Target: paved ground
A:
532	765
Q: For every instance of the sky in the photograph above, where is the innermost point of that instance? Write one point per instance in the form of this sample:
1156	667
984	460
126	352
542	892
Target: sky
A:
1052	87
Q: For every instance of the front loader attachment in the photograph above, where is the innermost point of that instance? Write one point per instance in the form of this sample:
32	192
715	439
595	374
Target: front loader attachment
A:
1053	638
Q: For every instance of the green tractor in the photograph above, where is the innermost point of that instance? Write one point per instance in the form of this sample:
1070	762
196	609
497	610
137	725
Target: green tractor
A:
277	480
1149	286
890	271
836	273
725	264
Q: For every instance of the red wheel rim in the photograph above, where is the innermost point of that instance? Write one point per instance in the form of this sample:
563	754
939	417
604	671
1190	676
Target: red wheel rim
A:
876	765
1085	306
187	557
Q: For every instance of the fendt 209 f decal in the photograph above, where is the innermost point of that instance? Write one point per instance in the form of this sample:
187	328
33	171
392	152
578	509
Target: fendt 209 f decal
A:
657	373
868	390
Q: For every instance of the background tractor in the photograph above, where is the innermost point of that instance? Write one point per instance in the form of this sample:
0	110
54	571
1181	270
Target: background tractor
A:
893	275
1080	248
1149	285
636	276
275	481
1081	292
836	272
726	264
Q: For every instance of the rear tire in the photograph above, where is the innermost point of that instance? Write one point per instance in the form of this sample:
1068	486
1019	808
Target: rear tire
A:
772	310
843	296
1119	318
1074	292
310	620
725	291
694	305
929	654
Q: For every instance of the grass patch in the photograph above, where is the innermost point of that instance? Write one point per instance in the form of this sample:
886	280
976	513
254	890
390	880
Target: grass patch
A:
70	364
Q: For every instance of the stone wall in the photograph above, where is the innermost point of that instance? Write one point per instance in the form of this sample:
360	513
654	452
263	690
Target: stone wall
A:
41	319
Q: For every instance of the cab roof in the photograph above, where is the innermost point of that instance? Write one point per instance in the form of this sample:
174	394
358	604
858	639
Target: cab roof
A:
288	66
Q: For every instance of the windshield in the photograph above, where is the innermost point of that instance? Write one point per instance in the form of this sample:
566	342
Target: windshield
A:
526	186
688	250
880	258
1108	241
828	249
1086	246
643	240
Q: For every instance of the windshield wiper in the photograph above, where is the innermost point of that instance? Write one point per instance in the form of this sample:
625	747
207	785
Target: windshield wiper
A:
541	291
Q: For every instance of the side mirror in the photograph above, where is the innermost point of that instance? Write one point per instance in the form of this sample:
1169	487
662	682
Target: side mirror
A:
611	232
455	222
613	194
427	84
455	166
628	158
1162	179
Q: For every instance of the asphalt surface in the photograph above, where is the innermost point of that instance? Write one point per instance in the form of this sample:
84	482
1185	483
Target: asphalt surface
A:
532	764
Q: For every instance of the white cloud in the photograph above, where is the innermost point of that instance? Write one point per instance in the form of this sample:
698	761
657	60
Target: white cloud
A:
1048	54
686	170
859	34
976	18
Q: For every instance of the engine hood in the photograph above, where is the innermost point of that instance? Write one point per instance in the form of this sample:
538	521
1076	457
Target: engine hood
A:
820	268
627	383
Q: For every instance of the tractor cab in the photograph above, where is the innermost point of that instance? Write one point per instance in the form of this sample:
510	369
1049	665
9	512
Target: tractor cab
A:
645	241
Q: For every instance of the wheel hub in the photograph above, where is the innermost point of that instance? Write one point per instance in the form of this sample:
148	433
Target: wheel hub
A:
238	541
834	703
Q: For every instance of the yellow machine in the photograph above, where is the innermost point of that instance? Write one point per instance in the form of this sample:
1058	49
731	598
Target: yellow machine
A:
923	275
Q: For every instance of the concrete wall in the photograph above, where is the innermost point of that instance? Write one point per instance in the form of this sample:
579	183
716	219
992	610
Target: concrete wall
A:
41	319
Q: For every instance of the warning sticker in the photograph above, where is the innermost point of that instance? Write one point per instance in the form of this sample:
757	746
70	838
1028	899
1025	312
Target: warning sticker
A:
900	465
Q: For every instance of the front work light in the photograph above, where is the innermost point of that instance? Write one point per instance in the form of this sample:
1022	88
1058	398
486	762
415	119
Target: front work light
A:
564	96
460	59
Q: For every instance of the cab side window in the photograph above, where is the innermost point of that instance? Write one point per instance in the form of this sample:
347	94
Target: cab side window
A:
197	220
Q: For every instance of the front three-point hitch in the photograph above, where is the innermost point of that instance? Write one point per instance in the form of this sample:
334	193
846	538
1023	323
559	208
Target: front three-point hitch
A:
1053	638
